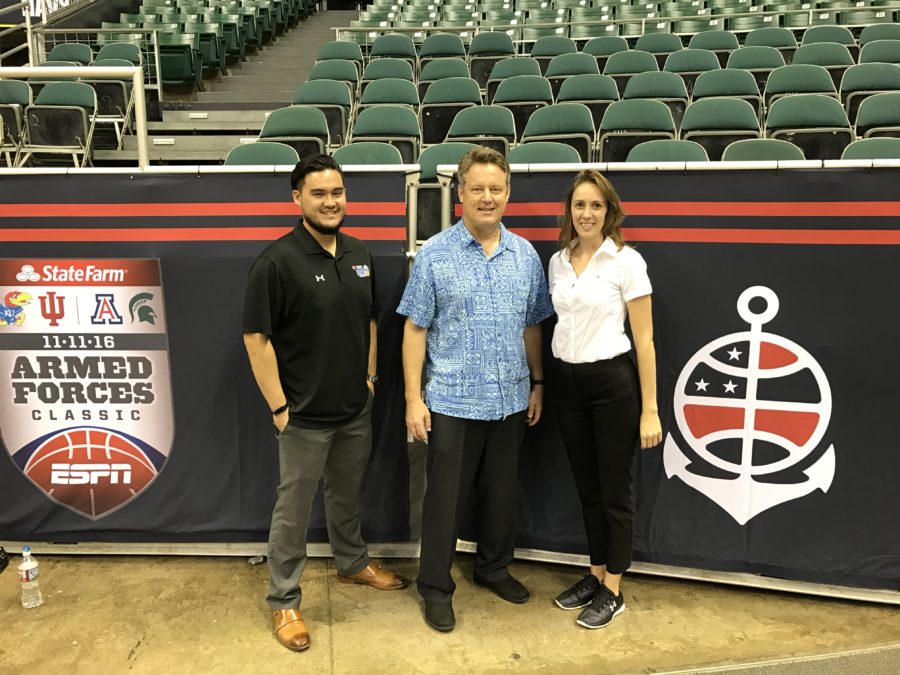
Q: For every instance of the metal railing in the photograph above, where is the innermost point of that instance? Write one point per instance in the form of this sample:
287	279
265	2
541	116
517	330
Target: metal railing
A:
25	25
135	74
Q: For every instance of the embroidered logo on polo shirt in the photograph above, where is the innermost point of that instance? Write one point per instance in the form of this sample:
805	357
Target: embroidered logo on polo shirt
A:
320	277
362	271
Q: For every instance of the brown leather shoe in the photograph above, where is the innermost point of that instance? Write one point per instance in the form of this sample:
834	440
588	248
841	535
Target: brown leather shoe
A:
290	629
376	576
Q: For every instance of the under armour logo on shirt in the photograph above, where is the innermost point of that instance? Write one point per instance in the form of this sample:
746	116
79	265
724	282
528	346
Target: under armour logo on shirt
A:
320	277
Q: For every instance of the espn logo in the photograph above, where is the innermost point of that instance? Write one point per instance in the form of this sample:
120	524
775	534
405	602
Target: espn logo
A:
89	474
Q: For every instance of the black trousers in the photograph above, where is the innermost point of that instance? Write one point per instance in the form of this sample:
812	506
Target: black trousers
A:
465	454
598	406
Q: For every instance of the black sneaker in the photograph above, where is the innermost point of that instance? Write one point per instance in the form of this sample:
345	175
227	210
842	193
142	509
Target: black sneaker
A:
603	608
580	594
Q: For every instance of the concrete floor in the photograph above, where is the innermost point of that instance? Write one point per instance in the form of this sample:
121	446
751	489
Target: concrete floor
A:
208	615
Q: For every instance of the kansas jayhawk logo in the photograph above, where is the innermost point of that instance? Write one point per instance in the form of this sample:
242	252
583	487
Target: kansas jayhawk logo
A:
12	311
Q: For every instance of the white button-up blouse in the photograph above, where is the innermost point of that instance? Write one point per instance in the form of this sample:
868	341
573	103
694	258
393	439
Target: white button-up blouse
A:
591	307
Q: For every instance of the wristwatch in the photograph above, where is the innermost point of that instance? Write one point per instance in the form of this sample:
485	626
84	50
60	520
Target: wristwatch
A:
373	379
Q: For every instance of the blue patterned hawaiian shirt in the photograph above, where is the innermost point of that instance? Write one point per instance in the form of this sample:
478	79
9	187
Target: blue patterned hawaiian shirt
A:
476	309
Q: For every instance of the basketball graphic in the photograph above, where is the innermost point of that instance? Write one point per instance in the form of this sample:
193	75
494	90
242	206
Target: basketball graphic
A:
90	470
751	406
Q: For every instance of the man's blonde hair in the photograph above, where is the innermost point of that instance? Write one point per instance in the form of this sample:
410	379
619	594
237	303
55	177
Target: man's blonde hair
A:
481	155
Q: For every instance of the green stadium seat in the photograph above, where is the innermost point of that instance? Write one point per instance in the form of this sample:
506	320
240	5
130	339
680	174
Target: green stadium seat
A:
689	63
491	125
342	71
543	152
443	101
262	153
622	65
660	45
179	60
304	128
833	57
565	66
758	60
762	150
781	39
873	148
863	80
390	91
722	42
885	31
664	150
595	91
550	46
367	153
441	46
731	83
437	69
395	46
881	51
115	102
509	67
81	54
879	115
333	99
522	95
386	67
604	46
798	79
569	123
485	50
60	122
390	124
343	50
715	123
627	123
815	123
665	87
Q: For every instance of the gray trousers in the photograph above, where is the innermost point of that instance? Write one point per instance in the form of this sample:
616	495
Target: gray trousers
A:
338	455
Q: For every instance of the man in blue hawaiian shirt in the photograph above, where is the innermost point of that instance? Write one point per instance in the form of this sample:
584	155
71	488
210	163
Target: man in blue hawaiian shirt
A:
474	302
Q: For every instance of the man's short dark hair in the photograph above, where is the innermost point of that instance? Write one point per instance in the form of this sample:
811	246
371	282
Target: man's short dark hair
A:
312	164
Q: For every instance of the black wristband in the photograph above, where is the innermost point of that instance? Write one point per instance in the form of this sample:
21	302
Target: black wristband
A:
280	410
534	382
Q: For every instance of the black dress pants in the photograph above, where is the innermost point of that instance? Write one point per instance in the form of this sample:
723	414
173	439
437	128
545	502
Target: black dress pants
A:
465	454
598	406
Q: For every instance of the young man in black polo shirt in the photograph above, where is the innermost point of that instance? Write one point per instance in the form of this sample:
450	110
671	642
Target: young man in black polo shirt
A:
309	330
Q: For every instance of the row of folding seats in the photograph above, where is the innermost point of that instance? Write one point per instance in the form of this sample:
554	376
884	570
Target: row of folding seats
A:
53	119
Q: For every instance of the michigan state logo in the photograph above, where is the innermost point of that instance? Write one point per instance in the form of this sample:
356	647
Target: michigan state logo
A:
85	396
753	408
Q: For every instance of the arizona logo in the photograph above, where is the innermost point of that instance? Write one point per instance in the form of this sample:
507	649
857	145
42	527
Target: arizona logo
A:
752	408
86	399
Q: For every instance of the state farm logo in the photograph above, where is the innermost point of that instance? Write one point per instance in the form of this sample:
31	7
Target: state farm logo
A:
84	273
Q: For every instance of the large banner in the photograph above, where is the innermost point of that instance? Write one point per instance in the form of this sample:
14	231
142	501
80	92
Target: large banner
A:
774	329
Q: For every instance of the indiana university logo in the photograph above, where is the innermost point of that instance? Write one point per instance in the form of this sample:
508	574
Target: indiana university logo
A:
753	408
85	400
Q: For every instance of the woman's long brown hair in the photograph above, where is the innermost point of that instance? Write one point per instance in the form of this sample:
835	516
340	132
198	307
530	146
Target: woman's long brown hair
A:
612	227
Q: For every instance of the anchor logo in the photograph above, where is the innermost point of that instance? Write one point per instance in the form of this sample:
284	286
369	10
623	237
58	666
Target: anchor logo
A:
752	406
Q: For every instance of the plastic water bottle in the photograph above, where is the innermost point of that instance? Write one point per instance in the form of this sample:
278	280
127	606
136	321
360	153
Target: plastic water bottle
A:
28	574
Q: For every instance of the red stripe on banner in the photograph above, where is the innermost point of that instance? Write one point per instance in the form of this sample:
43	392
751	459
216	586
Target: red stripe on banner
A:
748	236
706	419
197	209
798	427
748	209
187	234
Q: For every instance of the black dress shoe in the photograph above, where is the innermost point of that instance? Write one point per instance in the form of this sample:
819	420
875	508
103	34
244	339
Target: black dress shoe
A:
507	588
439	615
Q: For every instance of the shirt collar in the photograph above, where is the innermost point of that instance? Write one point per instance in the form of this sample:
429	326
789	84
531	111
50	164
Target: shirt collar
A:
608	247
312	247
466	238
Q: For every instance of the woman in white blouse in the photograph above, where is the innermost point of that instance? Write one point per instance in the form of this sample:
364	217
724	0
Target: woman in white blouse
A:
603	406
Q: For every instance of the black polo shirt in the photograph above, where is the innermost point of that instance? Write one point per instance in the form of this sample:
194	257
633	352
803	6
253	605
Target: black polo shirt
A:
316	308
